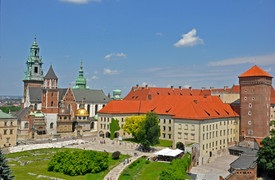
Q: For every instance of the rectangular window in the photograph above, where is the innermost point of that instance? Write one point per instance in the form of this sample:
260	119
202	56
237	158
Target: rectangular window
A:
5	132
192	136
11	123
169	121
163	128
186	127
169	128
11	131
5	123
169	136
185	135
193	128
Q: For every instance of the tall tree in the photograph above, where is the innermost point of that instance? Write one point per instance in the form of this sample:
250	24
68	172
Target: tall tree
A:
114	126
149	132
5	172
266	156
133	125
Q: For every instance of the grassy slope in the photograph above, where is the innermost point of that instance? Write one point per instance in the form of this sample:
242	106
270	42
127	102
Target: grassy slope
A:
143	170
36	162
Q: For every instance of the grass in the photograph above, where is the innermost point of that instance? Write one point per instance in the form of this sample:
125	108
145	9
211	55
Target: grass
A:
162	143
165	143
143	169
30	164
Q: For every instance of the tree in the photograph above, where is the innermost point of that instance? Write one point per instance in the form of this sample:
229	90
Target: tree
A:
180	146
5	172
114	126
133	124
149	131
266	156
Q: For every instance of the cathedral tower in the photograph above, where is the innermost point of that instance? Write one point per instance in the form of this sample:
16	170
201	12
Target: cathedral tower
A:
80	82
34	73
255	91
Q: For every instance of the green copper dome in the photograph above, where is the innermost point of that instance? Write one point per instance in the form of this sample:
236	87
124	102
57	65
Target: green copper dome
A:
80	82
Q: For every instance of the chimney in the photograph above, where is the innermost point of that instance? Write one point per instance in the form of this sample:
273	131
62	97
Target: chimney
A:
180	87
202	88
172	87
225	87
146	86
190	88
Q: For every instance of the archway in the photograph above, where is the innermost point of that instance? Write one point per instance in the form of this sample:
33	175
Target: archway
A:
101	134
116	135
107	135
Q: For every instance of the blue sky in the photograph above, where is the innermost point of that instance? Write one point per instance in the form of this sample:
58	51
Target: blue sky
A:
127	42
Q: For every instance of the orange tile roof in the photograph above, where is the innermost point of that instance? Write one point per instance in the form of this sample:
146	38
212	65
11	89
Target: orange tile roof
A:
180	107
255	71
147	93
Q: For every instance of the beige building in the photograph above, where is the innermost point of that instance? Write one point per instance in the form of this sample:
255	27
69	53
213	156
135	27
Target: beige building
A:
8	130
204	121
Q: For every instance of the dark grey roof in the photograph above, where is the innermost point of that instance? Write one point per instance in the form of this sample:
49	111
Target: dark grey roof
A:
90	96
35	94
22	112
244	162
244	150
62	92
50	74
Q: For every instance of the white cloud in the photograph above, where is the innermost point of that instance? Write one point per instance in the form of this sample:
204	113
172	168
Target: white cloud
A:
94	77
189	39
159	34
111	56
80	1
259	60
147	84
110	72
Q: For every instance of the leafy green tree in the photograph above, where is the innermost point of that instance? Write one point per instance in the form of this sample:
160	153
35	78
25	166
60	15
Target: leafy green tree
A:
177	170
149	131
78	162
7	109
266	156
5	172
114	126
133	125
180	146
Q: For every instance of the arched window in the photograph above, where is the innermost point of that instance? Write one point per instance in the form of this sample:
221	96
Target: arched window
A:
96	109
88	108
51	125
26	125
52	103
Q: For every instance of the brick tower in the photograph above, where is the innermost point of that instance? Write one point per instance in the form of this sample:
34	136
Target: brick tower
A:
255	90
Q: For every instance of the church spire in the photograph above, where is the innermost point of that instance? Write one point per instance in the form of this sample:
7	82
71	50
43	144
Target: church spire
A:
34	64
80	82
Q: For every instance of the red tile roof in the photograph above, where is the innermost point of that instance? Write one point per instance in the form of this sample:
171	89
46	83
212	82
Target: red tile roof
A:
147	93
181	107
255	71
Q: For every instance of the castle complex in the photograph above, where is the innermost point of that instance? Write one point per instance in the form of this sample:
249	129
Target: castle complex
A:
208	120
49	111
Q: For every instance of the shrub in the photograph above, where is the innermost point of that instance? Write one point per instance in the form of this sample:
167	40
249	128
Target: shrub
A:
78	162
116	155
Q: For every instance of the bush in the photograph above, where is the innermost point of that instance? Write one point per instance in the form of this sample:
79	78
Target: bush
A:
116	155
78	162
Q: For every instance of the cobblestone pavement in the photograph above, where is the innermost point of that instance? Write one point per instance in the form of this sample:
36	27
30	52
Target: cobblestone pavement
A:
212	170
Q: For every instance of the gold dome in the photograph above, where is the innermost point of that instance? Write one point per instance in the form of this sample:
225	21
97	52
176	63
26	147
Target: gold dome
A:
81	112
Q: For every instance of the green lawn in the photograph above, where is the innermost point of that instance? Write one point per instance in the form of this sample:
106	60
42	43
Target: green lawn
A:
162	143
30	164
143	169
